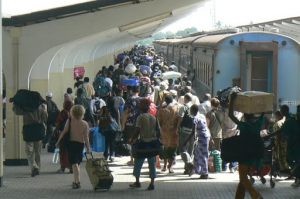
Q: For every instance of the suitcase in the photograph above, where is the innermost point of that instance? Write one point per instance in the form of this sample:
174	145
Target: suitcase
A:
99	174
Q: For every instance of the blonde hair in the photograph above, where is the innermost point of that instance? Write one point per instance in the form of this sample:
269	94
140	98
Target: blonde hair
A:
77	111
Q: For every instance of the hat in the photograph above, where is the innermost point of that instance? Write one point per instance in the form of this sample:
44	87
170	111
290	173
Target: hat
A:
49	94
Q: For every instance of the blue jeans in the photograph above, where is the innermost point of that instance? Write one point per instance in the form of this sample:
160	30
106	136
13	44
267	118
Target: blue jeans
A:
138	164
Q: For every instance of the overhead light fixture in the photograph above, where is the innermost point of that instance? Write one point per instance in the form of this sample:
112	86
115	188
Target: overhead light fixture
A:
145	21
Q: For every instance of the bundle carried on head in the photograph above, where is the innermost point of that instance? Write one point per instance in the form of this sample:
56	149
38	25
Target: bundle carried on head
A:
224	95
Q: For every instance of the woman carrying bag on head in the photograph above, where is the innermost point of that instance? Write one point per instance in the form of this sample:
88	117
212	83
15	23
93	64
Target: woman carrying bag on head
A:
78	130
250	125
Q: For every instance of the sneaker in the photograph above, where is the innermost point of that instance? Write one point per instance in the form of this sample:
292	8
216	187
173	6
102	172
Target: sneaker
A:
296	183
204	176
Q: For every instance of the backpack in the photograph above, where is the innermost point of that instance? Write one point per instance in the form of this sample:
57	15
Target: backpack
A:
101	86
84	93
188	119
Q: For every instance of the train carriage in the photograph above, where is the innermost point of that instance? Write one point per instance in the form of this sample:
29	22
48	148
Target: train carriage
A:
185	58
254	61
161	47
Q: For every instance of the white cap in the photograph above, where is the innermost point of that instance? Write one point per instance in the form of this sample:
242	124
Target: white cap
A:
49	94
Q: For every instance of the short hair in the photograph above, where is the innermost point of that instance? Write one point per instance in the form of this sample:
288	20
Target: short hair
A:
187	97
77	111
69	90
194	109
86	79
135	89
206	97
285	110
215	102
144	105
169	99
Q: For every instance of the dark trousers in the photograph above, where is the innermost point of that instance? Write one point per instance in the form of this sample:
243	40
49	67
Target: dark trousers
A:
109	144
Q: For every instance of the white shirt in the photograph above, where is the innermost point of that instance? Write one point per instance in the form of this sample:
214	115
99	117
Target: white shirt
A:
109	81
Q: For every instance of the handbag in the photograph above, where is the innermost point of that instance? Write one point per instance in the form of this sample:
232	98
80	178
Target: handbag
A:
142	149
34	132
247	146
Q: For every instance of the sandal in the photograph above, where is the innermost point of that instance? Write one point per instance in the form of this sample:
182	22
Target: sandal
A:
76	185
135	185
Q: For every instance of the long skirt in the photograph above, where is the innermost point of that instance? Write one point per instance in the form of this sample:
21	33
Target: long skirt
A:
201	156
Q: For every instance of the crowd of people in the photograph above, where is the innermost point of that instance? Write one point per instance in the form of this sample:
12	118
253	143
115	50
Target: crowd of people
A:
131	96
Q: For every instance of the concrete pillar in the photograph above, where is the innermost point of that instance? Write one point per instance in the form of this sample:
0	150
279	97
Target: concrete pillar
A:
1	137
15	153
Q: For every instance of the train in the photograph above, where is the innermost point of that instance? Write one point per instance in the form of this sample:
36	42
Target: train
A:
260	61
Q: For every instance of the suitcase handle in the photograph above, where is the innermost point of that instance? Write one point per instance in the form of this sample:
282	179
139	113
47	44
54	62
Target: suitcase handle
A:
89	154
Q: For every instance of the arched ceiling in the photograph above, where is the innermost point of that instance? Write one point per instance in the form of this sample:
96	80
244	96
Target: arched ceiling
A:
125	24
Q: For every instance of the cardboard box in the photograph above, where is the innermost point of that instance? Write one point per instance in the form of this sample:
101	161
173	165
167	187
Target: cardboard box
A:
254	102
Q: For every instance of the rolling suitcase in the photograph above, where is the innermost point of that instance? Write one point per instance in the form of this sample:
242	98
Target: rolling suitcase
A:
98	172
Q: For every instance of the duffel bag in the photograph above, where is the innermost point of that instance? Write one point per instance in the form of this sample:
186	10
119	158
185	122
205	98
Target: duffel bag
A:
34	132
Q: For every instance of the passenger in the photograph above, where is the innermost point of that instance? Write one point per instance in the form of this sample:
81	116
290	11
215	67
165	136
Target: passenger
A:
68	95
172	67
61	120
146	131
248	126
131	112
33	148
291	130
52	111
185	129
85	102
119	103
105	125
168	119
205	106
214	123
79	135
188	90
280	143
229	129
88	89
201	153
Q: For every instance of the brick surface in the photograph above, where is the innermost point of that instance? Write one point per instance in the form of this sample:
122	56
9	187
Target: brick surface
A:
19	185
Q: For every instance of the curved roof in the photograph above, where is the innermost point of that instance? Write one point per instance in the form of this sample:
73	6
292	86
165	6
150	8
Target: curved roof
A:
189	40
210	40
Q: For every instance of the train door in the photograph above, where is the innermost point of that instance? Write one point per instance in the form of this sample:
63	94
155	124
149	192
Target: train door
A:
259	67
259	74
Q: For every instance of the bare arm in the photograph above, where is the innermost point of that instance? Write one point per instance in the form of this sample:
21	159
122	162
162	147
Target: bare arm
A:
61	135
230	113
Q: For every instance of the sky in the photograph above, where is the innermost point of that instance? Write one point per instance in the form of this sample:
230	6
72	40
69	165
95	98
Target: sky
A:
228	12
237	12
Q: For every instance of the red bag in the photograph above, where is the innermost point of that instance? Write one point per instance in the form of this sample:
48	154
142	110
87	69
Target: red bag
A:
79	72
152	109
